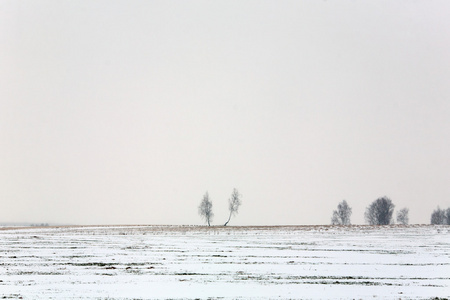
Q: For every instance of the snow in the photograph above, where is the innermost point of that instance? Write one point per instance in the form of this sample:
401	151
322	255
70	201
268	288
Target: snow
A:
188	262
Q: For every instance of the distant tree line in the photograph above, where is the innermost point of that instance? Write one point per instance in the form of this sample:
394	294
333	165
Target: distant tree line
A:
440	216
40	225
205	207
381	212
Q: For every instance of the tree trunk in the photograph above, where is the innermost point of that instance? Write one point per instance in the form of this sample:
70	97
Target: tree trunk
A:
227	220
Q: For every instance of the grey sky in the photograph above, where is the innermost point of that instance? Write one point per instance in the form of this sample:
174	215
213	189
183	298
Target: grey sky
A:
129	111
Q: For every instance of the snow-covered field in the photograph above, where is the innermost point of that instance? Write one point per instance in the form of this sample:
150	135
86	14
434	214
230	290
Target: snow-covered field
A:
295	262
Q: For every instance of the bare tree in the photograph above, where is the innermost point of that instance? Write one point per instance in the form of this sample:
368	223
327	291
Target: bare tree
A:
341	216
380	212
402	216
447	216
205	209
233	204
438	217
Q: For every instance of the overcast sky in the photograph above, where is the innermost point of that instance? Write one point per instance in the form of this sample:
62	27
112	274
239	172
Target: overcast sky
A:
127	112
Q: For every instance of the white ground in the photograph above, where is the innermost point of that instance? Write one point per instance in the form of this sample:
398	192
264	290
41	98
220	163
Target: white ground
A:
153	262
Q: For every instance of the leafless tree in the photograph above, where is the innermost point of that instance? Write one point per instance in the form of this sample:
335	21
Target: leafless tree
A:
438	217
402	216
447	216
205	209
341	216
233	204
380	212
